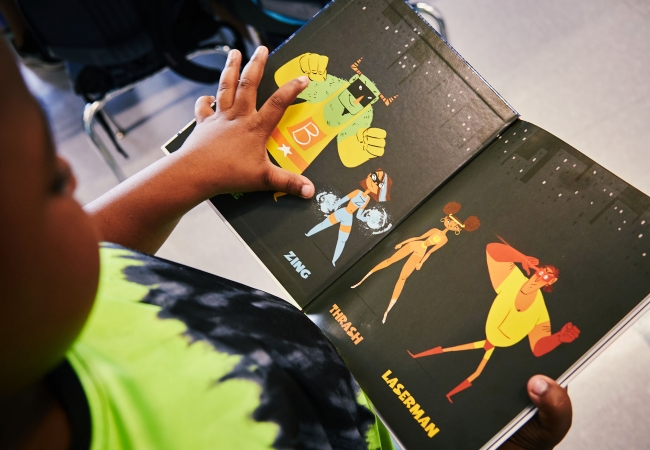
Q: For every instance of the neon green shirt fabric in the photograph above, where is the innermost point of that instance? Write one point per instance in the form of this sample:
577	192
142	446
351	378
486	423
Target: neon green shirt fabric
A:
173	358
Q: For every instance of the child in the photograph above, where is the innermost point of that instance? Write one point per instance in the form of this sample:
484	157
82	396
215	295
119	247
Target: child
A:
148	354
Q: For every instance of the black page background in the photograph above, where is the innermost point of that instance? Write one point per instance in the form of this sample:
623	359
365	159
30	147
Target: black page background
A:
603	275
424	145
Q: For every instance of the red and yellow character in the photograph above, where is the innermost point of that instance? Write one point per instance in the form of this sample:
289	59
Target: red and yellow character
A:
517	311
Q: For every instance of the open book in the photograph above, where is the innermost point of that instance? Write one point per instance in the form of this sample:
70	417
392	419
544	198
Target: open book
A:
451	250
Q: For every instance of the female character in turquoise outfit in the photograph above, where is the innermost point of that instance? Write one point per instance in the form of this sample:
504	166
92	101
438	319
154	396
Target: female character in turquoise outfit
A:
376	186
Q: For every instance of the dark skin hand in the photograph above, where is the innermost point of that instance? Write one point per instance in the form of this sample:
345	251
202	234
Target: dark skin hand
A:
226	153
551	422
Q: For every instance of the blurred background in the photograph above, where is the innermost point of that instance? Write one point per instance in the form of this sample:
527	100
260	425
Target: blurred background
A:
578	69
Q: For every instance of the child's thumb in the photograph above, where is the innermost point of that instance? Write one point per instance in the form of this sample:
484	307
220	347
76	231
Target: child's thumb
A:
554	408
552	421
277	179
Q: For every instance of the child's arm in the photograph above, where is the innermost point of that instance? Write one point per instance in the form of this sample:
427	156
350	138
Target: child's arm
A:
224	154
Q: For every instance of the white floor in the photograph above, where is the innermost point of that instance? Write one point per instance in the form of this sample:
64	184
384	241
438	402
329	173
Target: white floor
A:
577	68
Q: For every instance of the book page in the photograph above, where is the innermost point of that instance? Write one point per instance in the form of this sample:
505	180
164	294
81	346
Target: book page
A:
390	113
523	263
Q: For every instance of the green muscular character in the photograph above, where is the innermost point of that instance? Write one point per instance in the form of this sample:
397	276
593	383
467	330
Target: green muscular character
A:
332	107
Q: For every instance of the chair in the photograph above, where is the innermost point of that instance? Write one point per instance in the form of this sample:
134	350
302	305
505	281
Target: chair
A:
93	110
431	15
112	46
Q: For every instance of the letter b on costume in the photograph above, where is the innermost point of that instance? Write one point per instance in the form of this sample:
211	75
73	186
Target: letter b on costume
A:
306	133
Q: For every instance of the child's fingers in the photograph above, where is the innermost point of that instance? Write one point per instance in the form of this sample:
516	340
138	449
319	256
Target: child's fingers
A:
228	81
274	108
245	98
277	179
203	108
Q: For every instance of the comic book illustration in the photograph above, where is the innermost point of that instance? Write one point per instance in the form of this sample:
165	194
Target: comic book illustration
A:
444	346
376	187
451	251
400	111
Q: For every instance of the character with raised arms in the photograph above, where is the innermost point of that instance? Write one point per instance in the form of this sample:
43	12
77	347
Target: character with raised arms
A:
375	186
332	108
517	311
418	249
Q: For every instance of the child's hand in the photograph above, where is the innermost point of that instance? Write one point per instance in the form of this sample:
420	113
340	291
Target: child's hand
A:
224	154
551	422
226	151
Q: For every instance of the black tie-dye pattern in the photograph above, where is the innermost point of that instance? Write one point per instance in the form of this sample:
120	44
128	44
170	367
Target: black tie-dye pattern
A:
307	389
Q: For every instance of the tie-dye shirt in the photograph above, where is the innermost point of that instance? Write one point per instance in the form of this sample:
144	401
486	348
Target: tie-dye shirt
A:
175	358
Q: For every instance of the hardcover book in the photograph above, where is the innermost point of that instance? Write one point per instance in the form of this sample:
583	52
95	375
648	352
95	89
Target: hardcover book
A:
451	250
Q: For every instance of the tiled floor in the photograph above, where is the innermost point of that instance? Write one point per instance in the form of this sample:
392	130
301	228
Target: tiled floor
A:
579	69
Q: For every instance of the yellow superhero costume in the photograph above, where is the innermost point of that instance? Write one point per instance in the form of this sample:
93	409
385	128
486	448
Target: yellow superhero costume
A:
332	107
518	311
505	326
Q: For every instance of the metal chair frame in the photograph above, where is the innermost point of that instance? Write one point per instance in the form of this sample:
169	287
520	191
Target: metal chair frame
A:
431	12
94	110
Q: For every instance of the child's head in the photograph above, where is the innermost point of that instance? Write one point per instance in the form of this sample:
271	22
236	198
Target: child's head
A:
49	263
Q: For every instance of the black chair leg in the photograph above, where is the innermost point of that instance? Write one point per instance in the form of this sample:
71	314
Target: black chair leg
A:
104	123
120	132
